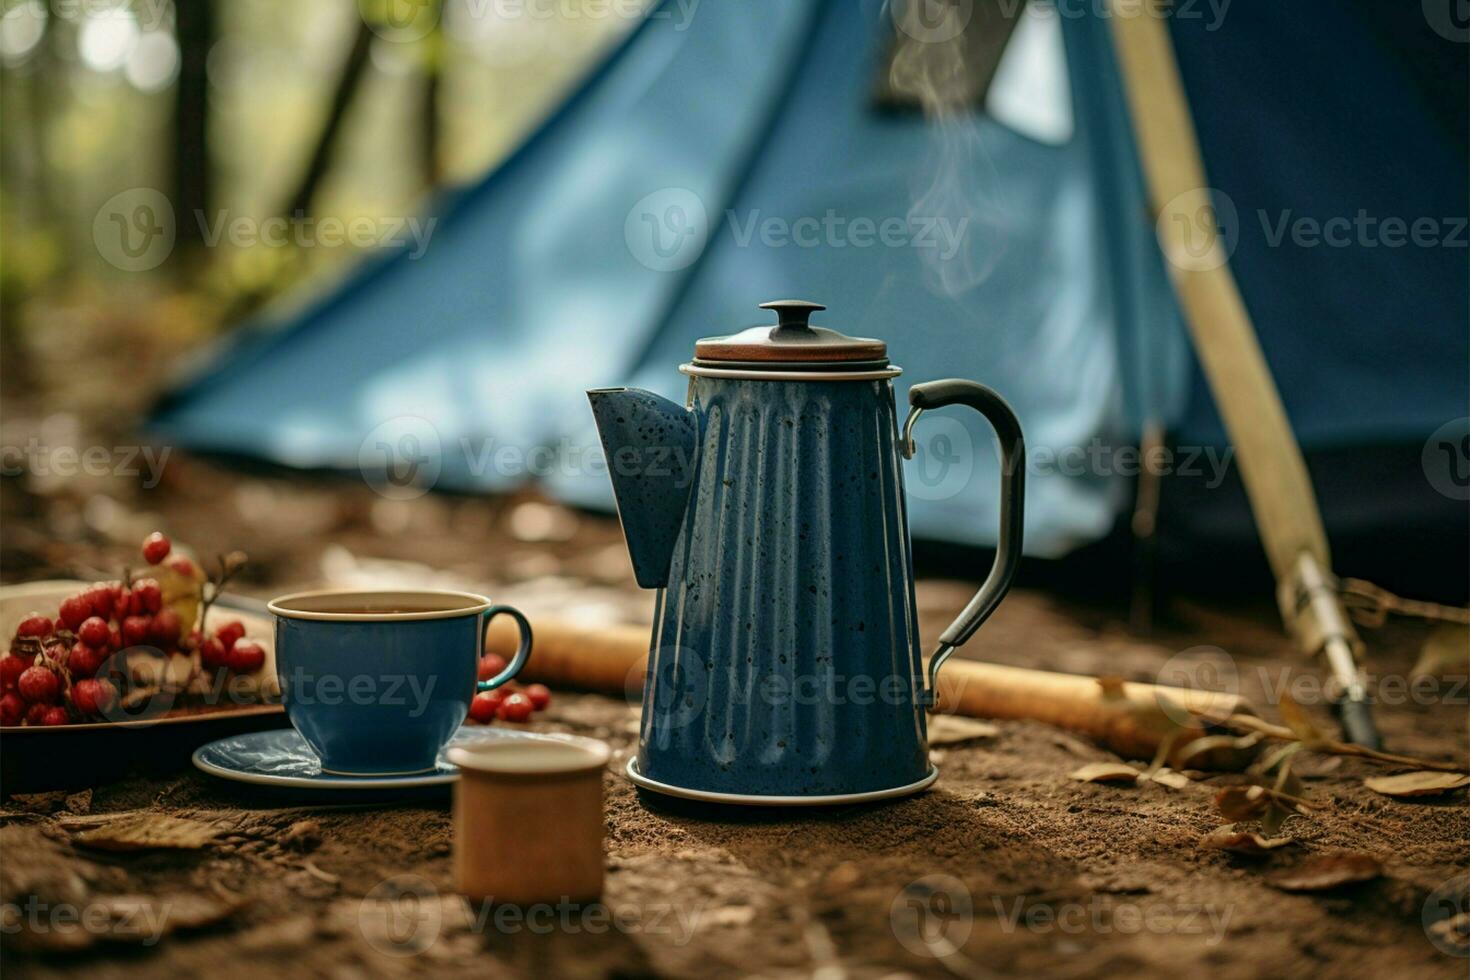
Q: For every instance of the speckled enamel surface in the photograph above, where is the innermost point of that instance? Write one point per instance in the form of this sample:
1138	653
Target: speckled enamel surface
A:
785	658
649	444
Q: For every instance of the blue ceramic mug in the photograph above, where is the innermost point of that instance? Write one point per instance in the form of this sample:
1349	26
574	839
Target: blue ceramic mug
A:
377	682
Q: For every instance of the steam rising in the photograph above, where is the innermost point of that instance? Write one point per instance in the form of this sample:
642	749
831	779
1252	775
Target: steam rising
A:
929	68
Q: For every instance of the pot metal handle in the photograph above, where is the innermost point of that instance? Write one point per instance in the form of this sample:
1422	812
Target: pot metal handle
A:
954	391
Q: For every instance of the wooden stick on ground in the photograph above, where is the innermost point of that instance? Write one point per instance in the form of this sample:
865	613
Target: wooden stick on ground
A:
1134	720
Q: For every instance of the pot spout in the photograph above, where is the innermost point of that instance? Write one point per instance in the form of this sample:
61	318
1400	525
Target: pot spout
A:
650	443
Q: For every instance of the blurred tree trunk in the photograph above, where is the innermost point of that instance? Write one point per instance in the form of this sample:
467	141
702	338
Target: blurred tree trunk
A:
433	169
429	110
319	163
196	29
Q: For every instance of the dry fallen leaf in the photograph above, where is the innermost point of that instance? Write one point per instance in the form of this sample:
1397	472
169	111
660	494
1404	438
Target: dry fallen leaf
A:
1325	871
950	730
1421	783
146	831
1105	772
1447	650
1169	778
1296	719
1227	838
1218	751
1237	803
303	835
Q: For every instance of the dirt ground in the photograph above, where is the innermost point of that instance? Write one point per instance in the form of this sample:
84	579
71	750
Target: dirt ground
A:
1006	868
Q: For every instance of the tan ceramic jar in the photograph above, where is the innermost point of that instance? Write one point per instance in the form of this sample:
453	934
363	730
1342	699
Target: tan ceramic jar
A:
528	823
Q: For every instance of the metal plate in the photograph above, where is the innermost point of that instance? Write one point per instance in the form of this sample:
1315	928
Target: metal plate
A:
742	799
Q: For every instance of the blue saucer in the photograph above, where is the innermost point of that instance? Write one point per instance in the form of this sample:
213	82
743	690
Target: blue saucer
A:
280	757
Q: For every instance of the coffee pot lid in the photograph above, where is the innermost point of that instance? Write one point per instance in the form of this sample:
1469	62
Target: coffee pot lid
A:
791	343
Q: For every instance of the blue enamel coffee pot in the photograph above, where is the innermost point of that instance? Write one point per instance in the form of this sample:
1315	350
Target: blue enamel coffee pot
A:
769	514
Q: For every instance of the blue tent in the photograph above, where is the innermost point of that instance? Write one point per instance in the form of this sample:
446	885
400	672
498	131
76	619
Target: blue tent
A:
706	166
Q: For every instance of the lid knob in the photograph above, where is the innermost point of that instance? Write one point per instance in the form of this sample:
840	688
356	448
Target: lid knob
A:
792	314
792	342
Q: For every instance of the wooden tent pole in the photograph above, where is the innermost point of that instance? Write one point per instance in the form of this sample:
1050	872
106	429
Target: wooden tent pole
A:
1271	464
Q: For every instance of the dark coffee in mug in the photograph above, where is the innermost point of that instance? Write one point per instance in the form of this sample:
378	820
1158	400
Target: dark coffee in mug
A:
379	610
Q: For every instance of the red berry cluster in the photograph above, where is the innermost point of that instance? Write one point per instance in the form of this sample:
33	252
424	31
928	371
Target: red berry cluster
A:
53	663
509	701
227	649
38	681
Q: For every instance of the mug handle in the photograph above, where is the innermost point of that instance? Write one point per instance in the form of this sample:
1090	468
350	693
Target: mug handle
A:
937	394
523	652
